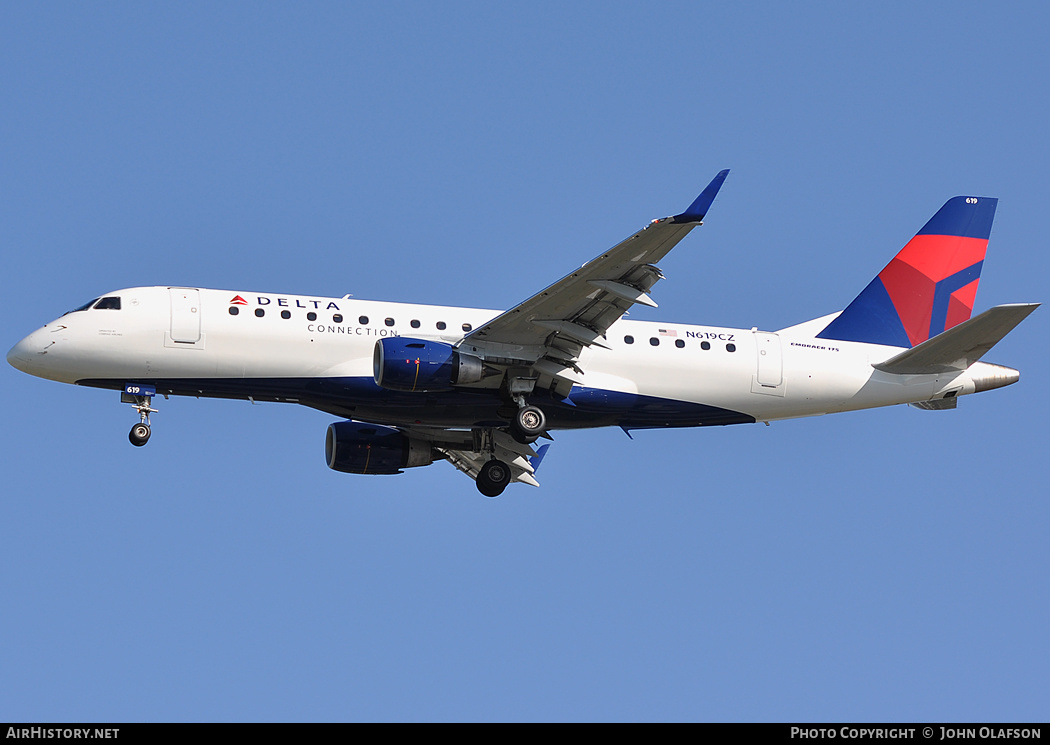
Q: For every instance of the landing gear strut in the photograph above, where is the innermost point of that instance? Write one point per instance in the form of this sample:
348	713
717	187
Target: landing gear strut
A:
528	422
493	478
140	397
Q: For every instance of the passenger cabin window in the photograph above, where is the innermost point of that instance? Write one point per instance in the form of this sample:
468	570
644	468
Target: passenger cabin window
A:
259	312
628	339
730	347
679	343
389	322
108	303
311	316
234	310
363	320
286	314
441	325
705	345
654	341
467	327
337	318
414	323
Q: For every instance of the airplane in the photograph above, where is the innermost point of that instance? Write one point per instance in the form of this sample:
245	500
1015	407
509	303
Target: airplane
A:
414	384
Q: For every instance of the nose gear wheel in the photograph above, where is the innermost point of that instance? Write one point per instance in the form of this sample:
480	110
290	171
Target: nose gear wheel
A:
139	434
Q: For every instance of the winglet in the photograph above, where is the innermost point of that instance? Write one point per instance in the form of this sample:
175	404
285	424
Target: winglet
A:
541	451
702	203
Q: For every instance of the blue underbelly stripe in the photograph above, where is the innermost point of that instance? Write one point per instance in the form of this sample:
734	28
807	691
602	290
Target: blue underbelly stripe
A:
360	398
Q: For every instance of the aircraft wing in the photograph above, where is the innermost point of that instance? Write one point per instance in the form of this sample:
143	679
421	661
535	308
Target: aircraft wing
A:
548	331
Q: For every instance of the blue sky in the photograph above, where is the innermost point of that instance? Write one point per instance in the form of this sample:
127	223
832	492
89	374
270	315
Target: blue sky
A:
877	566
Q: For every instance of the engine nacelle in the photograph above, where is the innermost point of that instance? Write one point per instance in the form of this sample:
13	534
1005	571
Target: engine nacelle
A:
356	447
401	363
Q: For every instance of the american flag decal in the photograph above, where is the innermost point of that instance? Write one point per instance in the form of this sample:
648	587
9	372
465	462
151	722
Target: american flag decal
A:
668	332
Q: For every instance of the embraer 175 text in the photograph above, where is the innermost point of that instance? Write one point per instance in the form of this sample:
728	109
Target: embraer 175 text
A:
413	384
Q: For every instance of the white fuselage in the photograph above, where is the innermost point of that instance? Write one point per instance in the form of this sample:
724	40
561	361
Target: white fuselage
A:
319	352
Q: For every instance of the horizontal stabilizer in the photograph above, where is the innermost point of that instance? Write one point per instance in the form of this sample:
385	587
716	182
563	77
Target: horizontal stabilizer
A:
960	346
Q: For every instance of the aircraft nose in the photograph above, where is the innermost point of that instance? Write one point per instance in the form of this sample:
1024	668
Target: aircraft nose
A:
23	353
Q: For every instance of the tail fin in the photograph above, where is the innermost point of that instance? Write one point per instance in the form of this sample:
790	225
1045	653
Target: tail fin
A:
929	286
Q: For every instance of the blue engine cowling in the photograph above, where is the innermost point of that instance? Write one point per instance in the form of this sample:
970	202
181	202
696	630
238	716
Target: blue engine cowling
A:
401	363
357	447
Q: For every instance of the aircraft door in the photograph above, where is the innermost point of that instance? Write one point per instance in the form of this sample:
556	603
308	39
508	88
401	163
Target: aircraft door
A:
185	315
769	374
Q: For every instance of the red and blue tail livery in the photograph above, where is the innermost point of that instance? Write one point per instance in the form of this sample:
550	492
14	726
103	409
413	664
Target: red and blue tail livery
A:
929	287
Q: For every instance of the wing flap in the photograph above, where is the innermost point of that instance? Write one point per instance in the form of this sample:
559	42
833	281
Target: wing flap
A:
624	292
960	346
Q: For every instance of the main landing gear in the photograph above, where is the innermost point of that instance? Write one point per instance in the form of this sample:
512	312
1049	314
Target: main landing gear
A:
528	424
493	478
139	396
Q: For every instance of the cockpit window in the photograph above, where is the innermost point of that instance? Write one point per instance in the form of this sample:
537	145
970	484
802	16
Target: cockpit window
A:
108	303
85	306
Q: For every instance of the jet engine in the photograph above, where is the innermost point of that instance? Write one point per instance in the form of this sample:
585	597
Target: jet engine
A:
357	447
404	364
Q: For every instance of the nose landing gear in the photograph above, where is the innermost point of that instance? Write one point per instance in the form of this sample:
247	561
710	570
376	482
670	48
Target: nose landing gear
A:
139	434
140	397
